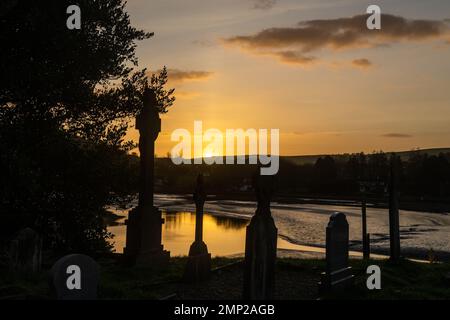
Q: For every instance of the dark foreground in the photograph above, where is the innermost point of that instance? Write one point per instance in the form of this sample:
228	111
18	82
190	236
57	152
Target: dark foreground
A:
296	280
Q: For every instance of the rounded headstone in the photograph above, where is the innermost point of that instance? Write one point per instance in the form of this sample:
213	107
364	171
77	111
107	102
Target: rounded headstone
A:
337	242
75	277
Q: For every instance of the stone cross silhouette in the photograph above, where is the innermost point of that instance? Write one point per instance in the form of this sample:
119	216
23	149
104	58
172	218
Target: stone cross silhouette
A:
199	247
143	244
263	186
199	199
148	123
198	267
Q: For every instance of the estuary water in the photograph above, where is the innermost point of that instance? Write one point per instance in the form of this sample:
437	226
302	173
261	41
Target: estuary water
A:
301	227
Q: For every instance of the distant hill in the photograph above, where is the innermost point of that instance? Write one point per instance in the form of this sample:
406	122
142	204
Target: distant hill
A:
311	159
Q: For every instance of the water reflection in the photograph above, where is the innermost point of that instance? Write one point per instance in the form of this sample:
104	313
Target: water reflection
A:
230	223
223	235
176	220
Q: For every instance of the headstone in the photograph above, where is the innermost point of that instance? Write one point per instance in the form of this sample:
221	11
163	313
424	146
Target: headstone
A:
144	223
75	277
394	219
198	267
25	253
261	245
338	274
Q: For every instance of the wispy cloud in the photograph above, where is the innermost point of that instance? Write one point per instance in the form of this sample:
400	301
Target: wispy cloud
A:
292	57
176	75
263	4
396	135
362	63
338	34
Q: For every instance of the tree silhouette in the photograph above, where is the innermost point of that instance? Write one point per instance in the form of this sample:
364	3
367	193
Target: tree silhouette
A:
165	97
66	98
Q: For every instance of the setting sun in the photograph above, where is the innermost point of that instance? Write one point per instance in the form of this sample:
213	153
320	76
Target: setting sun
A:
209	154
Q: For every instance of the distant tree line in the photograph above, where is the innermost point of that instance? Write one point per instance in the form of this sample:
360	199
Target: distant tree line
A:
421	176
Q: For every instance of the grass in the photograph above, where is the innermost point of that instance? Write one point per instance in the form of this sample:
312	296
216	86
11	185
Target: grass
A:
400	280
296	279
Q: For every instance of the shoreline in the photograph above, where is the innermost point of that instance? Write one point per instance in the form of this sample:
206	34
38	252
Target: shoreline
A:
425	206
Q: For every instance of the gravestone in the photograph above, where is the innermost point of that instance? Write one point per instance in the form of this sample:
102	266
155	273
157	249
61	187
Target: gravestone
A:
261	245
25	252
198	267
338	274
144	223
75	277
394	218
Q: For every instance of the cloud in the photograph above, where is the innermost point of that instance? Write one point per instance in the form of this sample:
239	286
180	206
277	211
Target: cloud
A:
263	4
339	34
362	63
342	33
176	75
292	57
396	135
180	75
304	133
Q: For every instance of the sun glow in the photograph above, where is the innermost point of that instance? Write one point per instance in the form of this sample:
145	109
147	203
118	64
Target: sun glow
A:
208	154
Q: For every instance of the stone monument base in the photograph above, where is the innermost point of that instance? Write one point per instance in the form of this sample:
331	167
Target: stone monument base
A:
143	244
155	259
336	280
131	249
198	268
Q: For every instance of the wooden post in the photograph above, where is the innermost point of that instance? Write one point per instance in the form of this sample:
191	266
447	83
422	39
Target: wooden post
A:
365	244
394	223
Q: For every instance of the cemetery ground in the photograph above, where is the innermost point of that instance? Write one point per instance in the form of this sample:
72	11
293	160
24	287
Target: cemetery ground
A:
296	279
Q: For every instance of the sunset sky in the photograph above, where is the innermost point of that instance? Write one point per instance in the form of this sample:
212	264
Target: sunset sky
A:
307	67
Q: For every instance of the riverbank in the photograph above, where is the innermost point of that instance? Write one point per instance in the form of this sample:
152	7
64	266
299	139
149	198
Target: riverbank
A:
436	206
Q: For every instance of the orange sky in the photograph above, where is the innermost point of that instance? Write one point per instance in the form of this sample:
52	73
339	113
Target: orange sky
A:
330	86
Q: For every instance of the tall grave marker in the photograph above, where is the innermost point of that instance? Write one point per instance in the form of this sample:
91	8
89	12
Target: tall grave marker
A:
143	244
261	245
